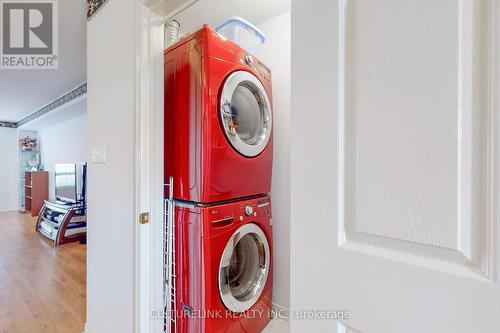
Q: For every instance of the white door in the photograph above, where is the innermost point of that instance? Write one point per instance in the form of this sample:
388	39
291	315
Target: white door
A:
395	162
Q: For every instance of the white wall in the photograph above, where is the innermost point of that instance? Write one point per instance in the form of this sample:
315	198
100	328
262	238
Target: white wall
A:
63	142
111	68
276	53
8	169
313	184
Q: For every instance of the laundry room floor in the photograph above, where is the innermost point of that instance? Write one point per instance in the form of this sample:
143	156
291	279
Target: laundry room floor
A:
277	326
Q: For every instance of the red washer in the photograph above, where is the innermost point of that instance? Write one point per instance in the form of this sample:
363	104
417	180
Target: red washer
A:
218	120
224	267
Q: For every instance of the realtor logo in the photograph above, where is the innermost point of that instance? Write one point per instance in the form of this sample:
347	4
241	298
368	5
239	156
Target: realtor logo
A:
29	34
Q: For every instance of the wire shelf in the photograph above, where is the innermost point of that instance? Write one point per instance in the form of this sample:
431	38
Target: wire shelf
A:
169	267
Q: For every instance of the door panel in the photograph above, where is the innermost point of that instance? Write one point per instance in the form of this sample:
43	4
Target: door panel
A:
413	128
394	180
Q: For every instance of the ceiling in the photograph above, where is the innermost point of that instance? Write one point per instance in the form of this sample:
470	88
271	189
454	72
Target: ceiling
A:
71	109
214	12
24	91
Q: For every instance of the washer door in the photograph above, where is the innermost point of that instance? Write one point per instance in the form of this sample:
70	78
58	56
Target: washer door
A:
246	113
244	268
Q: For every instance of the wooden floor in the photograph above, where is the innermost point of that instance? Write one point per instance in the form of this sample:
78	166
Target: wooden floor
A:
42	288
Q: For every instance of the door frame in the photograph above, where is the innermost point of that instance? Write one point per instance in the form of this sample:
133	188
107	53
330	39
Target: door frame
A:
149	182
149	171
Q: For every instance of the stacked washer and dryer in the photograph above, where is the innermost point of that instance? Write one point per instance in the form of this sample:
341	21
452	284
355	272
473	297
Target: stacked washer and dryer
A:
218	164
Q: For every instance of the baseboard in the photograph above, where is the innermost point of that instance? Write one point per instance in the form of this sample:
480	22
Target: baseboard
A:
8	210
280	312
86	329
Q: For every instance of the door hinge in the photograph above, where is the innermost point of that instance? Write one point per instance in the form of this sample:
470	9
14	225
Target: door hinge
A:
144	218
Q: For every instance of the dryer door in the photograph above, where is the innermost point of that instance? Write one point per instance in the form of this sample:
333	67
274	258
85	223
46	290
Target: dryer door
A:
244	268
245	112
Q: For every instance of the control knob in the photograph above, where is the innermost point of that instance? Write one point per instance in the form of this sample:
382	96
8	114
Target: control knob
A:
249	60
248	210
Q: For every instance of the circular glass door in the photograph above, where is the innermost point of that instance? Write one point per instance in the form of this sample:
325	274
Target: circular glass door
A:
244	268
246	113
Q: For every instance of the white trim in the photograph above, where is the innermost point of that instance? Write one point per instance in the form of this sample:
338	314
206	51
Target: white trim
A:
149	170
149	159
140	286
493	146
157	190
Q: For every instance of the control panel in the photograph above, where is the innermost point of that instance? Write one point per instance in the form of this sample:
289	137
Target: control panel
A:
257	208
244	212
260	69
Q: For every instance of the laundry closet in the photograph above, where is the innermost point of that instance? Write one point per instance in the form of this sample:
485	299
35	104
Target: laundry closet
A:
226	166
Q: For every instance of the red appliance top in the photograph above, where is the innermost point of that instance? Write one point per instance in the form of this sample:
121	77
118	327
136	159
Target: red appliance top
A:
205	166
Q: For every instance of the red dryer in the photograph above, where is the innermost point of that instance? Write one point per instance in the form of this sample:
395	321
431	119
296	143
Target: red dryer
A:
218	120
224	267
